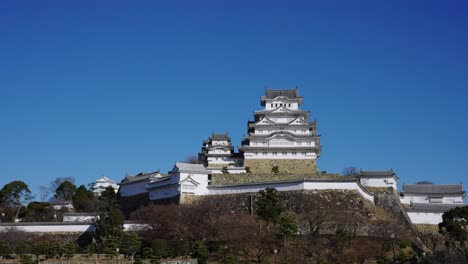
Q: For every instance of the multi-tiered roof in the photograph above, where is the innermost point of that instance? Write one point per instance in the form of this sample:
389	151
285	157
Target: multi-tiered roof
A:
281	127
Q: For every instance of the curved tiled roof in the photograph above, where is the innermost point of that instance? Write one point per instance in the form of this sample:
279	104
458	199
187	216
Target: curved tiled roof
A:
431	207
433	188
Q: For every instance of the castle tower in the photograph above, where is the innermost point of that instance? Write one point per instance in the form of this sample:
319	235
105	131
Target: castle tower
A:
217	155
281	135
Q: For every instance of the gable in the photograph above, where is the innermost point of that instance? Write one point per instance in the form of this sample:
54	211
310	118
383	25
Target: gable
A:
281	109
265	121
298	121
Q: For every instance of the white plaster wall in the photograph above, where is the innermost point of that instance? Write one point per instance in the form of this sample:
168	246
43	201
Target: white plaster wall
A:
248	154
293	186
50	228
276	103
410	198
60	206
220	143
425	218
79	218
379	182
202	179
60	228
135	188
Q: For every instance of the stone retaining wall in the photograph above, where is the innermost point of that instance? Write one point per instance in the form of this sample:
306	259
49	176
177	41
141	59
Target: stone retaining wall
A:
226	178
304	166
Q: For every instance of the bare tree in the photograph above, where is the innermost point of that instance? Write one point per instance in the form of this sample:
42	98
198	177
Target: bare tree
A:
58	181
350	171
192	159
44	193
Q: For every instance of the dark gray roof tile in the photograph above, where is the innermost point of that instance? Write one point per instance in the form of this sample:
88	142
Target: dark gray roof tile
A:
433	188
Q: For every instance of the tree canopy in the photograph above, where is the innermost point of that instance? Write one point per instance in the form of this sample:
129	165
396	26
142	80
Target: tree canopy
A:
65	191
15	193
84	200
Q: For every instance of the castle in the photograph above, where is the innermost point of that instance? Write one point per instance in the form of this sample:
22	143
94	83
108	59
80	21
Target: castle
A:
281	135
279	151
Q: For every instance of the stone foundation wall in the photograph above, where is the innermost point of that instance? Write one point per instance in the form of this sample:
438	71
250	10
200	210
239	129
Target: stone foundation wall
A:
227	178
290	166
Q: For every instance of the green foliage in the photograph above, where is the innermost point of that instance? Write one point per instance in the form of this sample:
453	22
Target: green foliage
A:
48	248
84	200
286	260
455	224
26	259
224	170
287	225
39	212
4	249
130	244
229	259
160	248
201	252
109	232
146	253
108	198
274	169
69	250
268	206
155	260
404	244
65	191
15	193
22	248
247	169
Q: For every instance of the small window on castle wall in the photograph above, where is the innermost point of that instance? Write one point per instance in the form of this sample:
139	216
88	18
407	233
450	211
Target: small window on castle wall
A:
271	105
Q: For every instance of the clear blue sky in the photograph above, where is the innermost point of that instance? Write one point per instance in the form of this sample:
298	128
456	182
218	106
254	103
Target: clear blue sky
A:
92	88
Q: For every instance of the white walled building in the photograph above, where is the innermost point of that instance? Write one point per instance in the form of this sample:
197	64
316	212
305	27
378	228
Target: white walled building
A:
428	202
281	130
101	184
383	179
134	185
432	193
428	213
217	155
184	179
80	217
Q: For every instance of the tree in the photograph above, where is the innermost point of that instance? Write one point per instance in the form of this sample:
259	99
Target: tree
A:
455	226
130	244
108	198
84	200
287	225
15	194
201	252
350	171
69	250
268	206
44	193
4	249
274	169
59	180
160	248
192	159
39	212
65	191
109	231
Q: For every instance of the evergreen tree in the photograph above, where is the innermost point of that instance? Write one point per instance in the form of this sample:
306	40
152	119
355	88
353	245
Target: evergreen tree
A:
84	200
130	244
268	206
65	191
